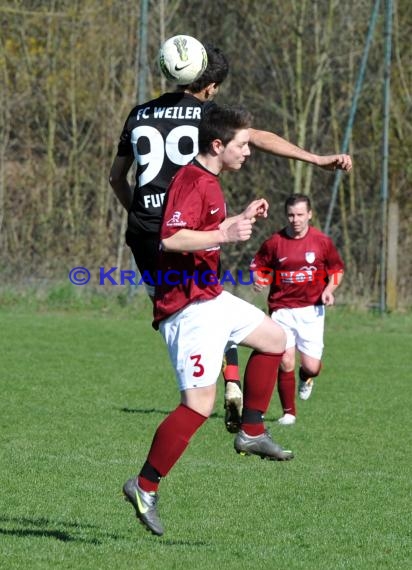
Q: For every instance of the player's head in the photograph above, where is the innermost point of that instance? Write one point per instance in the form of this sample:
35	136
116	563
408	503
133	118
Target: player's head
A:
298	210
295	198
215	73
223	131
222	122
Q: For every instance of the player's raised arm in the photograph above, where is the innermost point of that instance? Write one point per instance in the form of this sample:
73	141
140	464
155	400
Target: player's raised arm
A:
274	144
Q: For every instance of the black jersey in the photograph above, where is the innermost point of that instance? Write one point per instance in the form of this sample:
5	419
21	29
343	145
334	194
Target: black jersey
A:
162	135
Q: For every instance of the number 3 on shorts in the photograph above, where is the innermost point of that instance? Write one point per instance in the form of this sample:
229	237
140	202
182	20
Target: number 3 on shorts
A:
199	368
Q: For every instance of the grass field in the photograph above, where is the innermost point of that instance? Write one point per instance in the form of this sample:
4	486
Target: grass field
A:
81	395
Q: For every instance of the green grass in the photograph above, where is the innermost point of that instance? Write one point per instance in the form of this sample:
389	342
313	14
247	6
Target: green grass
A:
81	395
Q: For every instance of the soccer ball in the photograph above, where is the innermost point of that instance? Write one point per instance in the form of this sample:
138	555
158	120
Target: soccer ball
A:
182	59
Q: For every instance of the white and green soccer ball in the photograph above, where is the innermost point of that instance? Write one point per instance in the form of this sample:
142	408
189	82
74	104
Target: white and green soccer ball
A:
182	59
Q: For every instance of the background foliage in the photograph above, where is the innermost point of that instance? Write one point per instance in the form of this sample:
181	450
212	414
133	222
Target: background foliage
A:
68	73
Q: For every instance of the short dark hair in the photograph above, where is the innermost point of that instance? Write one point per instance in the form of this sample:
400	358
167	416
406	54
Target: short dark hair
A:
216	71
222	123
295	198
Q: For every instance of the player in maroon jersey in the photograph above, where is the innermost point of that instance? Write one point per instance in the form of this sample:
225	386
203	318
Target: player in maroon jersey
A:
197	317
303	268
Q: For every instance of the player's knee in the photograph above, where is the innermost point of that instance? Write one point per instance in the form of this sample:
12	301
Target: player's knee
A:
277	339
312	371
268	337
288	363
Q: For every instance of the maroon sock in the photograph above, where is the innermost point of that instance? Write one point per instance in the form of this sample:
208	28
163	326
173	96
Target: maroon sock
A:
260	379
253	429
147	485
286	389
172	437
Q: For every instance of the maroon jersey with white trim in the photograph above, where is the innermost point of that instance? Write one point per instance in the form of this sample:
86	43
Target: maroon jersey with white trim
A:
301	267
194	201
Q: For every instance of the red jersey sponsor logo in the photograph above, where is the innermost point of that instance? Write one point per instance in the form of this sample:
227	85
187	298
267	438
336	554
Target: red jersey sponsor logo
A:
176	220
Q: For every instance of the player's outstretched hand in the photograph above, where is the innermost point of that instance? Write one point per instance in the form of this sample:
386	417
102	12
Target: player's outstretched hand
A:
239	228
256	209
335	162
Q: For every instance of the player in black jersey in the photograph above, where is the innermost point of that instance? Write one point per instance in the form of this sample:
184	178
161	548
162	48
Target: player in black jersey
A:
161	136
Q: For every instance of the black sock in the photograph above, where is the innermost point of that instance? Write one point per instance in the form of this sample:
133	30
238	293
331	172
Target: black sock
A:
150	473
304	376
252	416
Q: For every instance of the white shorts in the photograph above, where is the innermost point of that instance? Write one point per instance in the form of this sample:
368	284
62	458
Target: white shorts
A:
304	328
197	335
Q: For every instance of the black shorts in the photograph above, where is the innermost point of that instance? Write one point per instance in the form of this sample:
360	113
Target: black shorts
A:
145	249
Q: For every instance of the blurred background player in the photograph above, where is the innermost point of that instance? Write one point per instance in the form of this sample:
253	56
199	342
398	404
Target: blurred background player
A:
197	321
161	135
303	268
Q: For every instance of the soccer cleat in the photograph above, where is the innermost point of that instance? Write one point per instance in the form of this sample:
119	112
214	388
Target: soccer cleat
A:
233	407
145	506
305	388
287	420
262	445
